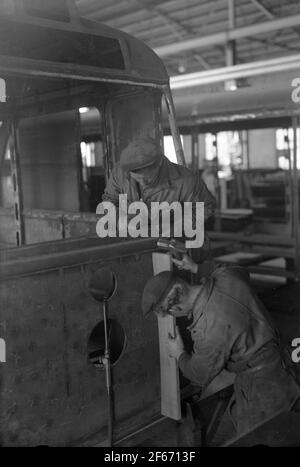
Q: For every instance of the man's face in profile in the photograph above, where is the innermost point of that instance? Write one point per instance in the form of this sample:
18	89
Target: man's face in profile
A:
174	302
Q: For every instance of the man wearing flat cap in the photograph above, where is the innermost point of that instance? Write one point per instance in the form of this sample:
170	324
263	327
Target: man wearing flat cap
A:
144	173
230	329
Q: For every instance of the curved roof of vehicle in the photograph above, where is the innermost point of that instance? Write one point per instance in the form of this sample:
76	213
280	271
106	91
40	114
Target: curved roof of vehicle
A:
79	49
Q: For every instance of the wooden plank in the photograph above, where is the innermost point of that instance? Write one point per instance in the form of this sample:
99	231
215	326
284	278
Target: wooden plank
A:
169	374
161	262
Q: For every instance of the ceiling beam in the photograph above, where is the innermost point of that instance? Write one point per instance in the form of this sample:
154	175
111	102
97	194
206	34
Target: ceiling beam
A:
118	9
153	6
245	70
230	47
263	9
225	36
270	15
274	43
177	27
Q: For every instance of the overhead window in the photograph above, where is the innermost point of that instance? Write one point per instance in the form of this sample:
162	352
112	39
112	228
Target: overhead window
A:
40	43
55	9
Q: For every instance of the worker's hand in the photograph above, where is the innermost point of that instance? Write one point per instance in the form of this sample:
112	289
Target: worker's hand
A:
175	345
186	263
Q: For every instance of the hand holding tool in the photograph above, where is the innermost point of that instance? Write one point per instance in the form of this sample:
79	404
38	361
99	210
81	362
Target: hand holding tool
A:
175	247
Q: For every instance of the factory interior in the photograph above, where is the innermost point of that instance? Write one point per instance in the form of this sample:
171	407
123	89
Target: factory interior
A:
217	85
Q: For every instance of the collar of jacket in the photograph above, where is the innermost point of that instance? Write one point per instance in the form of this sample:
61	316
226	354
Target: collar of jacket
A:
167	175
207	271
205	292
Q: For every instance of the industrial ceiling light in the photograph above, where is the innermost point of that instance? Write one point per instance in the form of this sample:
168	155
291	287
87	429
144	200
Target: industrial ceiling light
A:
232	86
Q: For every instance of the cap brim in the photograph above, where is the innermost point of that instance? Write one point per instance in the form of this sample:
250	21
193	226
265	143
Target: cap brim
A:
135	168
152	298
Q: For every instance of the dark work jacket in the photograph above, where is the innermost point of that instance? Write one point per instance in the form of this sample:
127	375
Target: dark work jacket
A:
232	330
174	183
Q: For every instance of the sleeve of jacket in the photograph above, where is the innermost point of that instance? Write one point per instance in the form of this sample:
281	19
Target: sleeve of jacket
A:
207	360
112	189
201	193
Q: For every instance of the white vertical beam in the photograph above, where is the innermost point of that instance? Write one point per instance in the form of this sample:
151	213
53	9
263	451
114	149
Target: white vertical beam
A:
230	46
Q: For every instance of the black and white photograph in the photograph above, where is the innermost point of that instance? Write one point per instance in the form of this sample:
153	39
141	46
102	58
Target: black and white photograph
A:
149	226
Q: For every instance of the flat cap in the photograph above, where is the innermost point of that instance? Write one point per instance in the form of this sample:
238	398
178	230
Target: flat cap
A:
140	153
154	290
